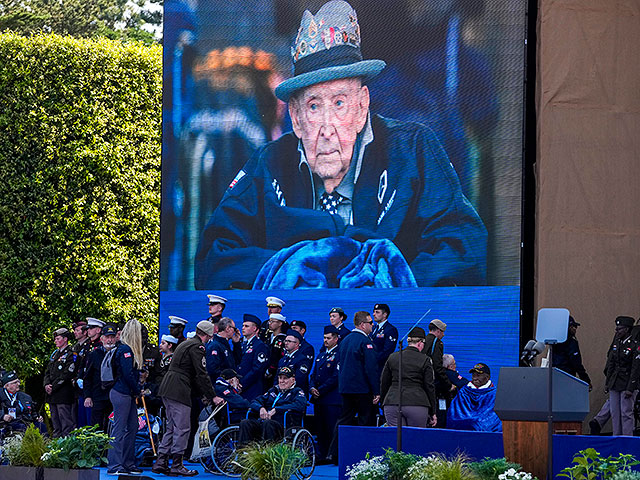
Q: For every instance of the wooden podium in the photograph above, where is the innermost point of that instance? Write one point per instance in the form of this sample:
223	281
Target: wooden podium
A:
521	404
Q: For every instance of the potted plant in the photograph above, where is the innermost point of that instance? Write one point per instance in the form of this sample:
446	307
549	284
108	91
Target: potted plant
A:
24	453
270	461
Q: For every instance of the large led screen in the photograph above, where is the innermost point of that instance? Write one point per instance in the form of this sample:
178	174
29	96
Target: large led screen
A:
341	159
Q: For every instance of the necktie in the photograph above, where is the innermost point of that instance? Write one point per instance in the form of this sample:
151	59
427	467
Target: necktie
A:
329	202
374	330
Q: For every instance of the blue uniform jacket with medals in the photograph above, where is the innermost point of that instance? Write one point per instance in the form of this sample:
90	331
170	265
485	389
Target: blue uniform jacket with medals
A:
358	365
324	378
292	400
301	366
406	191
385	339
254	363
219	357
307	349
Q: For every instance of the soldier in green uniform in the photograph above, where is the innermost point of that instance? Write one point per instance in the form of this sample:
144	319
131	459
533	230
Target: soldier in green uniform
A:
187	372
58	384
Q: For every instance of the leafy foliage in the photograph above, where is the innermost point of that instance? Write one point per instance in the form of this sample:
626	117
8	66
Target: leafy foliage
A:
83	448
589	465
439	467
80	189
490	468
277	461
115	19
371	468
25	449
399	463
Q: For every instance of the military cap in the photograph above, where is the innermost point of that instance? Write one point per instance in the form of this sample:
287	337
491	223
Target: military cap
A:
213	299
79	323
229	373
275	302
206	326
439	324
296	334
623	321
9	377
331	329
382	306
62	332
277	316
286	372
94	322
572	322
299	323
480	368
169	339
108	330
417	332
247	317
339	311
177	320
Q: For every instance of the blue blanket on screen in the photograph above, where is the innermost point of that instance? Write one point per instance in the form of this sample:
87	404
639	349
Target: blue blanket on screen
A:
336	262
472	409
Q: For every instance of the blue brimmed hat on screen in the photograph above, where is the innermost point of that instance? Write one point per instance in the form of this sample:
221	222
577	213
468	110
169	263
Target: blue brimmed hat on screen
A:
326	48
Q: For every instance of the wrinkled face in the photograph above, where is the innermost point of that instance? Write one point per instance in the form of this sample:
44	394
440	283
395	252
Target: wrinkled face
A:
291	343
330	340
453	366
479	379
335	319
285	383
60	341
80	333
327	118
249	329
234	382
13	387
216	309
108	341
379	315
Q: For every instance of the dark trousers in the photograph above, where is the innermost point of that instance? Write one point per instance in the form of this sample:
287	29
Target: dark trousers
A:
100	414
175	438
62	418
82	413
125	426
357	409
257	429
326	417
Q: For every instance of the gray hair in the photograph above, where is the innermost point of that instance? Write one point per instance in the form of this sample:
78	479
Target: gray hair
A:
447	360
223	323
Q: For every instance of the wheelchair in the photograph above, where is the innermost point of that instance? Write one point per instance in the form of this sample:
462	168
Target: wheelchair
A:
225	445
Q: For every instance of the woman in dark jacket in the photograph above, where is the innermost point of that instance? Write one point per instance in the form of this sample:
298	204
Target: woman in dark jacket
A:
418	393
126	363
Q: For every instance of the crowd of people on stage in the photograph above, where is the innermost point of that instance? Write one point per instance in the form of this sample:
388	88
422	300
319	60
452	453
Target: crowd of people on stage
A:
269	367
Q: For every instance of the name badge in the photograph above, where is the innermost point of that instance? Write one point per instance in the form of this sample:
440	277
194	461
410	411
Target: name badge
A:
12	413
442	404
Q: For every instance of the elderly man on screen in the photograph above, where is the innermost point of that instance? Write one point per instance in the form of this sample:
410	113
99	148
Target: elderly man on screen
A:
472	408
348	199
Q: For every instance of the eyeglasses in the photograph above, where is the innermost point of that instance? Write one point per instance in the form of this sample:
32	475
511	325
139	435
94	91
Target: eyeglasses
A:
368	322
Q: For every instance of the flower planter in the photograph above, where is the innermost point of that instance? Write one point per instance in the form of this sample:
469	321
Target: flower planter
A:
8	472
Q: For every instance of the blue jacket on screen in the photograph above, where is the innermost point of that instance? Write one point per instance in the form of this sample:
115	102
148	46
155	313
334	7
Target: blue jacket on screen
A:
406	191
127	377
358	365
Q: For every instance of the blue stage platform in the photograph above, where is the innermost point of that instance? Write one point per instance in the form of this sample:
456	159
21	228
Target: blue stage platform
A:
355	442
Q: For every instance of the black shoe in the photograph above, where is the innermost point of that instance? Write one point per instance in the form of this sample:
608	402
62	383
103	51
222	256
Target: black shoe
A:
595	427
120	471
135	471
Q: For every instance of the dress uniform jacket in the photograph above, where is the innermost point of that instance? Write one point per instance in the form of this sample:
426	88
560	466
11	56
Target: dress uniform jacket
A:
152	358
60	373
623	365
343	331
219	357
417	380
385	339
92	381
434	348
187	372
301	366
276	352
324	378
165	361
292	400
358	365
307	349
253	366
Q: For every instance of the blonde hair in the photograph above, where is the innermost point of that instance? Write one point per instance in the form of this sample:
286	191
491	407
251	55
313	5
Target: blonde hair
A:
132	336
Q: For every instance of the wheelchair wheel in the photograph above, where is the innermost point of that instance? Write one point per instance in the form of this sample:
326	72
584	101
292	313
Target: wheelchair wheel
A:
208	465
304	442
223	451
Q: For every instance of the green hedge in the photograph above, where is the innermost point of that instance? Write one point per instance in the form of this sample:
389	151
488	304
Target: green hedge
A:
80	139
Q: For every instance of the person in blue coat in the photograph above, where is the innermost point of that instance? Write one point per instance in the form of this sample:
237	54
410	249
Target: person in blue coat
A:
358	379
126	363
219	354
384	335
295	359
327	403
227	386
305	347
346	188
337	317
255	356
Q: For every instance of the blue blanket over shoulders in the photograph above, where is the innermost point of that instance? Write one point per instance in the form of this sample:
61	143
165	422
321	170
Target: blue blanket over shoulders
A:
472	409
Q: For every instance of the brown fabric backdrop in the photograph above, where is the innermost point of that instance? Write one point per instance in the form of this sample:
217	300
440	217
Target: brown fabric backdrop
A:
588	168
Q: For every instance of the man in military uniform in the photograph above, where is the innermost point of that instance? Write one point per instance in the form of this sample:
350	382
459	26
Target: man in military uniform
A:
567	356
219	354
324	391
384	335
305	347
80	349
434	347
296	360
94	332
58	384
187	373
151	356
255	356
96	397
277	325
176	328
167	347
217	305
284	397
274	305
337	318
358	380
623	376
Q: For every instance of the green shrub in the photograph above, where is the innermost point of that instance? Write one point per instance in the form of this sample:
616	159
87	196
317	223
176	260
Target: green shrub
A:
83	448
277	461
80	190
590	465
490	468
398	463
439	467
25	449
